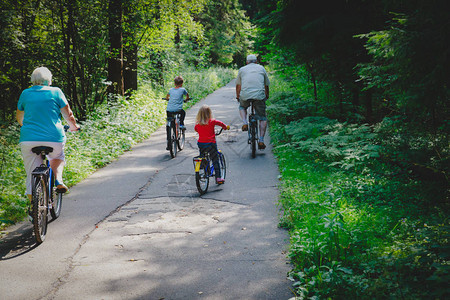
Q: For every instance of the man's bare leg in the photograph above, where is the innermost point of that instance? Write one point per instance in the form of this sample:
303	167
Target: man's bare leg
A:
262	129
243	114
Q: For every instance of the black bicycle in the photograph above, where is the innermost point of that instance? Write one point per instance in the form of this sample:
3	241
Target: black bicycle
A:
252	129
204	169
175	135
45	197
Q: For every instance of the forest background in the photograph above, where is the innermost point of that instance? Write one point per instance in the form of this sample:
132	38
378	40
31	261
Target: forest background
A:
358	115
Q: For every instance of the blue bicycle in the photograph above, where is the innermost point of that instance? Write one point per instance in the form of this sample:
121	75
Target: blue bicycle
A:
204	169
45	197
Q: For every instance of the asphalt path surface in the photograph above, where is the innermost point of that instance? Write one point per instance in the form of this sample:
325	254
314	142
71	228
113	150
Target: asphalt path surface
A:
138	228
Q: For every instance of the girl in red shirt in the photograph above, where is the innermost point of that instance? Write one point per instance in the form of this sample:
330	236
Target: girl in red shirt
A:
207	137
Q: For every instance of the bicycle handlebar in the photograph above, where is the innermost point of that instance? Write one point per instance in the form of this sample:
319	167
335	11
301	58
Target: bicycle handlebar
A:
185	100
218	133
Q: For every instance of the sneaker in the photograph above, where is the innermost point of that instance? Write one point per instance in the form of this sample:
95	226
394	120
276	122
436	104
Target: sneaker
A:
61	188
261	146
245	127
220	180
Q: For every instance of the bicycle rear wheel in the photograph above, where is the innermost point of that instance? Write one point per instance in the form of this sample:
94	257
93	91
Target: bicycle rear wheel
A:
253	137
56	199
39	208
202	180
173	142
181	140
223	165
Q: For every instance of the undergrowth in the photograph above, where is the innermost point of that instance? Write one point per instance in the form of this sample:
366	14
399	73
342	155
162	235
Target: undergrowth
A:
363	222
108	132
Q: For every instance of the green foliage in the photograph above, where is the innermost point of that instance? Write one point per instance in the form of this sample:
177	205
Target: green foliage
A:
71	39
227	31
408	66
360	235
425	153
12	183
374	58
199	83
363	222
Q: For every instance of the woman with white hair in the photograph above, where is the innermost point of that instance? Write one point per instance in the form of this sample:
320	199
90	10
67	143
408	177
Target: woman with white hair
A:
39	113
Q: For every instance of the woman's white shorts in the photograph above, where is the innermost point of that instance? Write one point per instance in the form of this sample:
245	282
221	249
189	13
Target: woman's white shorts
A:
32	160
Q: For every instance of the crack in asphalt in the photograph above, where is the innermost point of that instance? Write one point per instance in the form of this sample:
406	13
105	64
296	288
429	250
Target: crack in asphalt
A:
226	201
200	197
158	232
62	279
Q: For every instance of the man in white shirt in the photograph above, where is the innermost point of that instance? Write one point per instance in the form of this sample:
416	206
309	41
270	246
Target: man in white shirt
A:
252	83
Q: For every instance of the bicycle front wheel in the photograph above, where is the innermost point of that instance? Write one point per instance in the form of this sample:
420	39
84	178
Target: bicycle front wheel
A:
202	180
39	208
56	201
173	142
223	165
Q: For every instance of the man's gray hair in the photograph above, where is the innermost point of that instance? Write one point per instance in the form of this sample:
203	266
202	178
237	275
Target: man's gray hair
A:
251	58
41	76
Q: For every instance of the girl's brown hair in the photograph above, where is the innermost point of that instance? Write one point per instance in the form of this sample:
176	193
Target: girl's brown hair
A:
204	115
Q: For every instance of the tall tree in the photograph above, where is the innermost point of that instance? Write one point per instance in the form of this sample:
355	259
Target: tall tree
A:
227	30
115	61
130	52
411	66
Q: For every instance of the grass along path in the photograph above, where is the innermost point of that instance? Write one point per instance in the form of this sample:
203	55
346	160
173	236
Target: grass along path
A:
360	226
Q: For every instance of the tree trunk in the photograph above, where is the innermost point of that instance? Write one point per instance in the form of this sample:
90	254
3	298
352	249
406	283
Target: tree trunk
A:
130	69
177	36
67	33
115	61
130	51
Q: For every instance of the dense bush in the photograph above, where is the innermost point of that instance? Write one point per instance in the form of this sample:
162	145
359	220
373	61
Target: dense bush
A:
365	219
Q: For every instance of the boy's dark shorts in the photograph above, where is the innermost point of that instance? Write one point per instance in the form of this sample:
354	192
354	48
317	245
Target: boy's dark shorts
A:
259	105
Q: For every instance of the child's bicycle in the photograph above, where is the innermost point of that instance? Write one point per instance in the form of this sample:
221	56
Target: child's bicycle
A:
175	135
204	169
45	197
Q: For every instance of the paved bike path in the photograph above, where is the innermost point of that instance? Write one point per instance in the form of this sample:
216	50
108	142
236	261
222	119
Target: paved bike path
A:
138	229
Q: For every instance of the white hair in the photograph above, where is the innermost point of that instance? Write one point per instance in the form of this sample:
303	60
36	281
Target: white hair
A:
251	58
41	76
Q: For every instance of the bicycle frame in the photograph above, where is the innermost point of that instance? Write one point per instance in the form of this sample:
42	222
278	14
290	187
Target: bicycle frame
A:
45	170
204	168
198	164
176	122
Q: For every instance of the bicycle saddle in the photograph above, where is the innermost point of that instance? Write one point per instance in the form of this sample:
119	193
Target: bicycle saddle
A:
40	149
